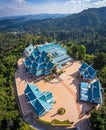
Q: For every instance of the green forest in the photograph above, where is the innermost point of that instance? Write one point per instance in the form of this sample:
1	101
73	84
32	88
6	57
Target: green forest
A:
11	48
87	28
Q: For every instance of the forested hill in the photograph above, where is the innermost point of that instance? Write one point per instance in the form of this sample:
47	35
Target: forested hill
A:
87	27
88	18
33	17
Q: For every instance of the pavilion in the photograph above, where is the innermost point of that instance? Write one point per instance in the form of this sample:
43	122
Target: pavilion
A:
87	72
96	92
41	102
91	93
44	58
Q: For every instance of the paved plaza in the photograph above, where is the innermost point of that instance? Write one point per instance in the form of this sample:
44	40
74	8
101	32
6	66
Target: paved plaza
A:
65	90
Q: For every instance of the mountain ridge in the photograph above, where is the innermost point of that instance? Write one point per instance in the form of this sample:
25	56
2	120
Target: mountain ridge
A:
91	17
87	27
34	17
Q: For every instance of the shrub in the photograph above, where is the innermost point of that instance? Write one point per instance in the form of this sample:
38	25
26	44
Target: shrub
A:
43	121
61	111
59	72
65	123
49	78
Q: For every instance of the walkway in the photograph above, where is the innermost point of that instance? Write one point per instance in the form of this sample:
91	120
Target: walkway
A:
74	95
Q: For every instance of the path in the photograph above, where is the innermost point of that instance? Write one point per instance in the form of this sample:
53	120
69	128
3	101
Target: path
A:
74	95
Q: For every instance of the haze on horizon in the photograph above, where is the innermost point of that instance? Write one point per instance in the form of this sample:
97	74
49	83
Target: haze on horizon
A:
24	7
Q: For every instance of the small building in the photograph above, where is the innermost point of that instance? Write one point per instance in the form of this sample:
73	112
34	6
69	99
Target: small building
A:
96	92
87	72
41	102
83	67
91	93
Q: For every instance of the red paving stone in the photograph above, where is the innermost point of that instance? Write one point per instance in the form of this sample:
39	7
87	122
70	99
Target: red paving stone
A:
69	90
74	95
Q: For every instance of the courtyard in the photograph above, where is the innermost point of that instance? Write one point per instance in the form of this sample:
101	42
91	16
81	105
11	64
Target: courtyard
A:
65	90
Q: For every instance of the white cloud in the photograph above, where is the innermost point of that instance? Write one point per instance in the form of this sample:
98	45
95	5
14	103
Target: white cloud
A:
12	1
20	7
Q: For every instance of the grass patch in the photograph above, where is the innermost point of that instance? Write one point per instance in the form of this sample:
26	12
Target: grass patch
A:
44	122
65	123
55	122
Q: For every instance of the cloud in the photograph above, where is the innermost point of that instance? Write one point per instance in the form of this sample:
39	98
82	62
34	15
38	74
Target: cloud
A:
11	1
20	7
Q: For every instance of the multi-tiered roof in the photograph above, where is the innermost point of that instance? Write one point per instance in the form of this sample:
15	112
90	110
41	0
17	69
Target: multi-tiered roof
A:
90	92
43	58
41	102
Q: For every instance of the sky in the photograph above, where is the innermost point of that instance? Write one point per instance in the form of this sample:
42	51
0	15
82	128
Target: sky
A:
23	7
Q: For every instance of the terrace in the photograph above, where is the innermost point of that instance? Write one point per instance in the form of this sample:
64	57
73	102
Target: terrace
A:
65	90
39	95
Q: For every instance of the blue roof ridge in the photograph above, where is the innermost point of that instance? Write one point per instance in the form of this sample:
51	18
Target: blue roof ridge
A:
40	104
88	71
43	104
83	62
31	87
100	93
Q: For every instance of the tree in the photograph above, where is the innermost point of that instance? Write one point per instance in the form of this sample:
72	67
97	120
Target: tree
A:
75	51
102	75
81	52
100	61
89	58
25	126
98	119
11	48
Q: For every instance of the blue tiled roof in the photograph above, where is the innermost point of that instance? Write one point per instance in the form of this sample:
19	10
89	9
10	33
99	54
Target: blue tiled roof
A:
96	92
38	73
40	60
46	47
50	65
58	59
92	72
34	65
46	72
92	94
33	89
65	61
38	107
87	71
84	91
47	59
44	54
83	66
32	71
40	101
31	58
29	48
35	53
27	63
43	58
